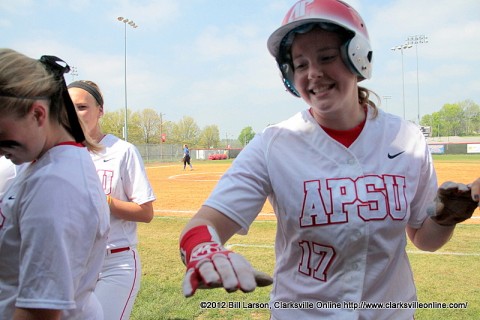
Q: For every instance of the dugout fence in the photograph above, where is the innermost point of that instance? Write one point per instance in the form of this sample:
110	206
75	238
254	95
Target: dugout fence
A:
174	152
161	152
454	145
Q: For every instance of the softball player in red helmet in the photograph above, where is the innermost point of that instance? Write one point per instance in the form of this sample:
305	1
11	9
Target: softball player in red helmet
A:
347	182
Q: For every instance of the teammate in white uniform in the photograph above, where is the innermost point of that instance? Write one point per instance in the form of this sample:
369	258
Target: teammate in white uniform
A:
54	217
130	195
346	182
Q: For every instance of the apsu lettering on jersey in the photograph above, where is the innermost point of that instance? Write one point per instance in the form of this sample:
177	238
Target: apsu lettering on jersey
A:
371	197
297	11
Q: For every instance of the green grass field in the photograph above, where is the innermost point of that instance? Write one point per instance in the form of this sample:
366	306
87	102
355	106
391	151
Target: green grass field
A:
474	157
450	275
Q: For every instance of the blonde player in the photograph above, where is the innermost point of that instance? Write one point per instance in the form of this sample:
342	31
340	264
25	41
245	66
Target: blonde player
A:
130	196
54	217
347	181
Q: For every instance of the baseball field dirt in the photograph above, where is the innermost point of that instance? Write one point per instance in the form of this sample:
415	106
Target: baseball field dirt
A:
181	193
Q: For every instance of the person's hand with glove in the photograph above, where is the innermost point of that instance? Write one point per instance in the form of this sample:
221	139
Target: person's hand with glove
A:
455	202
210	265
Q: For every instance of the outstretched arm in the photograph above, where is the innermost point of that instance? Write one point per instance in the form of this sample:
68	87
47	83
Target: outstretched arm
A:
431	236
209	264
455	202
224	226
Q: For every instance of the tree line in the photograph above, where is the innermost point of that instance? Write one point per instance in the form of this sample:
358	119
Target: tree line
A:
147	126
454	119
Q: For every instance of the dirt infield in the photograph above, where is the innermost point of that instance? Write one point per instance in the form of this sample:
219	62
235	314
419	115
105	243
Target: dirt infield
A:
180	193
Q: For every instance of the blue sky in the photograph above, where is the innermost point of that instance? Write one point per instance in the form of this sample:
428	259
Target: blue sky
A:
208	58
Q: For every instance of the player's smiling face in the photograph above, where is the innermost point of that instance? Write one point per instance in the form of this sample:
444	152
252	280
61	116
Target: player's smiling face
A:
320	75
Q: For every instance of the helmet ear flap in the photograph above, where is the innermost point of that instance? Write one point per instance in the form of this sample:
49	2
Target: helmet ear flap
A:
286	71
357	55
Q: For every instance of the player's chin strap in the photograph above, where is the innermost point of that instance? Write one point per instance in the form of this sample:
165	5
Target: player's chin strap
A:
58	67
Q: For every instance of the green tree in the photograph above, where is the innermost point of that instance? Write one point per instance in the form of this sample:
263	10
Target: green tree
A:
166	128
471	113
185	131
135	134
246	135
149	122
452	115
454	119
113	122
209	137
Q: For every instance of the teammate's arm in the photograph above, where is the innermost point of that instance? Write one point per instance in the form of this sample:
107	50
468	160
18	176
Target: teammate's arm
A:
34	314
208	262
224	226
431	236
131	211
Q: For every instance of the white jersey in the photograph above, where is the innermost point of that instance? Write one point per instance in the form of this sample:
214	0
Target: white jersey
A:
122	174
341	212
8	171
54	223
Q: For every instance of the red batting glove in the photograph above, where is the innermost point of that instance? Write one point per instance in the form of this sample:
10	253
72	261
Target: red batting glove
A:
210	265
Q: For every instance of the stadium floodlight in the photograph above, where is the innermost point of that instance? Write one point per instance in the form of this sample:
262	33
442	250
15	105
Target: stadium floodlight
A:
126	21
401	48
386	98
416	40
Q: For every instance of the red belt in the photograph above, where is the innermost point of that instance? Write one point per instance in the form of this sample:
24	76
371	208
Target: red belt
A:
117	250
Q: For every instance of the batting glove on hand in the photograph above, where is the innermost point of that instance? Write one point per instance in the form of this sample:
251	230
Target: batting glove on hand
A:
453	204
210	265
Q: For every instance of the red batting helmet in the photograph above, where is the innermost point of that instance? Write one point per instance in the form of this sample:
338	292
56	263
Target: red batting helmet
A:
331	15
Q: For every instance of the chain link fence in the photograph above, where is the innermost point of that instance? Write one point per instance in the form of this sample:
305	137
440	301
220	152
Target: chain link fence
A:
174	152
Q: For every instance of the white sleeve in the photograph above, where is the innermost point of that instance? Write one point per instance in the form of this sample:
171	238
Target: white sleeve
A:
426	189
45	245
137	187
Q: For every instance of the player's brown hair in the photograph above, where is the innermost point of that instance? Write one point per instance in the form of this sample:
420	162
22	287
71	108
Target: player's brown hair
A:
364	99
91	87
23	79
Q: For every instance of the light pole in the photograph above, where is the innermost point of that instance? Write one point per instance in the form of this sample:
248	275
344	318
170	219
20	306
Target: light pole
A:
401	48
73	72
133	25
162	137
386	98
415	40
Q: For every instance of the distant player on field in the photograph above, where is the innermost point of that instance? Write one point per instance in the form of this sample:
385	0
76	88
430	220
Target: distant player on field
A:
186	157
130	197
347	182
